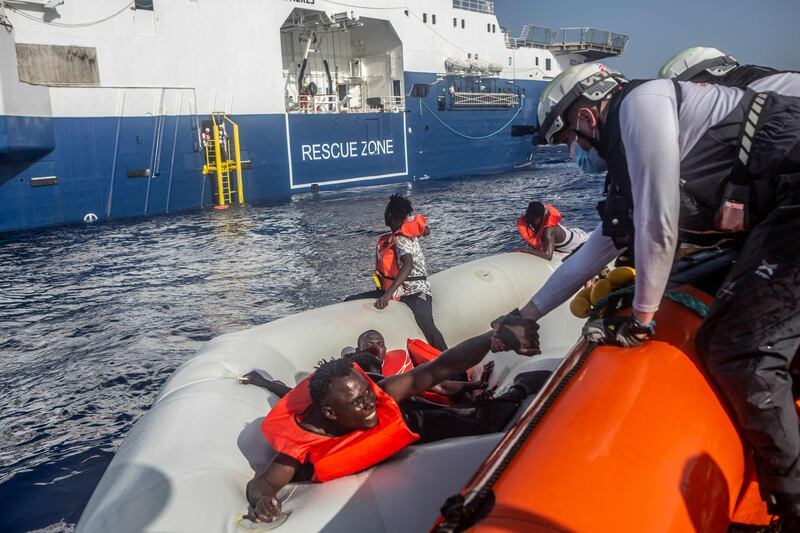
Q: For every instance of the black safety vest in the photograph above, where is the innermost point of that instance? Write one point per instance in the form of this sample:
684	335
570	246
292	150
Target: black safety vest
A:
709	166
739	77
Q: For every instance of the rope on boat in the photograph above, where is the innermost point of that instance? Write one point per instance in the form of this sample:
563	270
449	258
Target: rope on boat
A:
475	137
459	512
682	298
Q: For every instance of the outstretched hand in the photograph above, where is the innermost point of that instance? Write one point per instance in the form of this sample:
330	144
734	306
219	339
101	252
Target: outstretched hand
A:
255	378
512	332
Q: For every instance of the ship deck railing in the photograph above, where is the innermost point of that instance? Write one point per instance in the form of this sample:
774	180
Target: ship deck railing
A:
327	104
580	39
485	99
575	40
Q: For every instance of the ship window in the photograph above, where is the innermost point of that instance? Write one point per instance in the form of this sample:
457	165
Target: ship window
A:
455	23
494	28
489	28
537	61
462	24
433	18
424	17
476	56
469	56
419	90
143	4
46	64
509	61
547	63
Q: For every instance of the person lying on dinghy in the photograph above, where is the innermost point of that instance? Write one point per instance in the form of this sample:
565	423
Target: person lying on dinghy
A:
340	422
400	361
400	270
540	227
447	392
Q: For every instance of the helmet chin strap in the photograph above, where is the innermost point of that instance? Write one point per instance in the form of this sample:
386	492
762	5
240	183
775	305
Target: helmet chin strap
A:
594	143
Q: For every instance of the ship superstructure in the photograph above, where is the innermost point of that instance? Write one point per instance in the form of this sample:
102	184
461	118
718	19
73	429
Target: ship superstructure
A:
126	108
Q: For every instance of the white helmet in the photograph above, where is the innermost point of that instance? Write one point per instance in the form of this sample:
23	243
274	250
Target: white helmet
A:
692	61
595	81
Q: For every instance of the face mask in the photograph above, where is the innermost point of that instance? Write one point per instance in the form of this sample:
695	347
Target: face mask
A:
589	161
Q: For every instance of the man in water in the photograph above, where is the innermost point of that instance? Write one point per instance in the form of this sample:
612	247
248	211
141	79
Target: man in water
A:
342	406
542	230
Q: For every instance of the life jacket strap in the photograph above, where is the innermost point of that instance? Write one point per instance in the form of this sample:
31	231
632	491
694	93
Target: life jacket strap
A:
733	213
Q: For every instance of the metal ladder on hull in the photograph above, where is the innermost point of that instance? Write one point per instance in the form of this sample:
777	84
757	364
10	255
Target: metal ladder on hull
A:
219	162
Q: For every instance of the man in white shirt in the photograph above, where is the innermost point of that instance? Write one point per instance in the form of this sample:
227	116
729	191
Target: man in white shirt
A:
686	160
701	64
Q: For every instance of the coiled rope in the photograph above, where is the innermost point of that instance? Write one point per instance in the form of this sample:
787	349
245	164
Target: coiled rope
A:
682	298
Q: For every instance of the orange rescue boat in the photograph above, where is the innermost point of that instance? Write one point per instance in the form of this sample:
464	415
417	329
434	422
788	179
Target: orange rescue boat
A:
619	440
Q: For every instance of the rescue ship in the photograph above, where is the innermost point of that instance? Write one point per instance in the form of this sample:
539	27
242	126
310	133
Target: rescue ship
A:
127	108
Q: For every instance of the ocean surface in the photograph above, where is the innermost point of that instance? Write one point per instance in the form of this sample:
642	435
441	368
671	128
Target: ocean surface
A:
94	318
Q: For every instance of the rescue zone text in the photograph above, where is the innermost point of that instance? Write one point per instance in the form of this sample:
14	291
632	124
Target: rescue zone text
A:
342	150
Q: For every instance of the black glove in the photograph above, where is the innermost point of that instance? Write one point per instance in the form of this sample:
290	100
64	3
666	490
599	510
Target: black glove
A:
512	332
623	331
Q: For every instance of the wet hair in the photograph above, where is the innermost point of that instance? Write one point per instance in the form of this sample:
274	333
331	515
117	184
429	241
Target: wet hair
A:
319	385
399	207
366	334
534	212
367	361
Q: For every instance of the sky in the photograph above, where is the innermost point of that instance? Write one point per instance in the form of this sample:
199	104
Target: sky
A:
760	32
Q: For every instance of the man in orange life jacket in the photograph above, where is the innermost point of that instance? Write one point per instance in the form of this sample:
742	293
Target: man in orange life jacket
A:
339	422
401	270
541	229
396	362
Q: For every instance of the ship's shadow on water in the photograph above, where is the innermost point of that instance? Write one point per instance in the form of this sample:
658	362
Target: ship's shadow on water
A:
95	318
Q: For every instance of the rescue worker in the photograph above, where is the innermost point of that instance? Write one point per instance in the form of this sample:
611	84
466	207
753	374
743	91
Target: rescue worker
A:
337	422
697	158
541	228
701	64
401	273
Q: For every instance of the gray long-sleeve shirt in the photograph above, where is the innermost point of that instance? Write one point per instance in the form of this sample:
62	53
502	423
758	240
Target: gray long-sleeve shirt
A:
656	139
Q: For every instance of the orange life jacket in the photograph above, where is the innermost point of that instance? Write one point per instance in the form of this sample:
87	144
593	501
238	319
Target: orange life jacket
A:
335	457
551	218
396	362
421	352
385	255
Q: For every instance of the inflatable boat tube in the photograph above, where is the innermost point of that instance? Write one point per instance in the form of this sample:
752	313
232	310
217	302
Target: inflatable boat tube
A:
184	464
621	440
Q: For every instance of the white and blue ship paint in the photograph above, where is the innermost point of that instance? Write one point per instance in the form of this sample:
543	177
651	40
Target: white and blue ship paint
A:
130	144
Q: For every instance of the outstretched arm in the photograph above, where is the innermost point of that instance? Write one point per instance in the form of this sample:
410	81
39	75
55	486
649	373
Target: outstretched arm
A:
584	264
451	362
276	387
262	490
